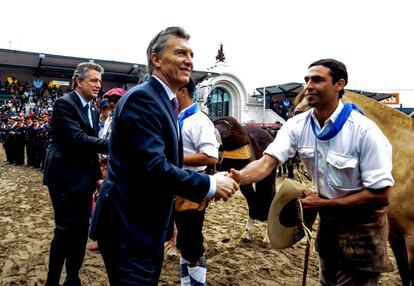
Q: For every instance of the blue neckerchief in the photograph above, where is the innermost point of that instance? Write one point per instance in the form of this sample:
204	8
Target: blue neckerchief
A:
338	124
187	113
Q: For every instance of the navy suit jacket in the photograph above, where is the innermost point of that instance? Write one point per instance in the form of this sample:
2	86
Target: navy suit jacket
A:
72	156
144	170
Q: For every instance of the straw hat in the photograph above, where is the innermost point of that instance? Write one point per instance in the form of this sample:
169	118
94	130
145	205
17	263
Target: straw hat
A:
284	225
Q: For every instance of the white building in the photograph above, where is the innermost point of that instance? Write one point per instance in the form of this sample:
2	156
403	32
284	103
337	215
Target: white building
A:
225	95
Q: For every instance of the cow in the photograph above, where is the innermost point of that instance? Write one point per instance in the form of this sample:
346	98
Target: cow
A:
241	145
399	129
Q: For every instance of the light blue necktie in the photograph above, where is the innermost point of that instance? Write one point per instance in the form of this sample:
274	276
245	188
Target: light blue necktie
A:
86	111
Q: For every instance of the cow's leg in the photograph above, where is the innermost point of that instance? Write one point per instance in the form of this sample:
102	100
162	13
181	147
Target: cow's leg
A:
399	248
409	240
248	229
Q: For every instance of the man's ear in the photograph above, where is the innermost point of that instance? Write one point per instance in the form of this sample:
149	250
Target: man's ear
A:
340	84
180	92
155	59
79	81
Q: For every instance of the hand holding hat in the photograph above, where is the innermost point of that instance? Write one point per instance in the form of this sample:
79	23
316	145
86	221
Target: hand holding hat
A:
286	218
312	200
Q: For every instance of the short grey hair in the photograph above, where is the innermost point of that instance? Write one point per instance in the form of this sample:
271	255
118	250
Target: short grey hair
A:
158	43
83	69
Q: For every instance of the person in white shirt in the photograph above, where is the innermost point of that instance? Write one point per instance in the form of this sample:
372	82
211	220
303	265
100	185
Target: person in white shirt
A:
200	149
350	160
104	113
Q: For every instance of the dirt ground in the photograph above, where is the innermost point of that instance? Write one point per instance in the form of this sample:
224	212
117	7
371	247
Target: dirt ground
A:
26	228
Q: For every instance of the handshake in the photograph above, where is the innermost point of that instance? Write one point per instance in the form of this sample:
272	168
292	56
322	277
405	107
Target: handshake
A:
226	185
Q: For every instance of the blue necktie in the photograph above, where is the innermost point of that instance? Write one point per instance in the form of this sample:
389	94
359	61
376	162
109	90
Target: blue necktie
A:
85	111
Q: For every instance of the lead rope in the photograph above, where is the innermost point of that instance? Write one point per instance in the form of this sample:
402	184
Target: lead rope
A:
306	230
308	233
309	245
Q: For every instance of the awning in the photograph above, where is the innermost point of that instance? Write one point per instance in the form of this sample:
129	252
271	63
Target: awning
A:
374	95
62	67
282	91
290	90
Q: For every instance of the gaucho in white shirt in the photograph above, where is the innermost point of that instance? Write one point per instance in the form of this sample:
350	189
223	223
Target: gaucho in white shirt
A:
200	149
350	160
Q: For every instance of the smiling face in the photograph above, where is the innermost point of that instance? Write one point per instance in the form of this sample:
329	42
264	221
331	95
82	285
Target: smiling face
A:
89	87
174	64
320	90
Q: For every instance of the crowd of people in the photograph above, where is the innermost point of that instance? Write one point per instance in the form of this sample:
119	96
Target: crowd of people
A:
24	119
25	137
283	107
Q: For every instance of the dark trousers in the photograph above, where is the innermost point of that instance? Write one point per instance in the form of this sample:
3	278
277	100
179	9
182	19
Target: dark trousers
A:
123	264
68	245
190	234
331	274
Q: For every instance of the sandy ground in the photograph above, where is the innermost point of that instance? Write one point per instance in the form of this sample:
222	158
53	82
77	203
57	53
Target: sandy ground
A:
26	227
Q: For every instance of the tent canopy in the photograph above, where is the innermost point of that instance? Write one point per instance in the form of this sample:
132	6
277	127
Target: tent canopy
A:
282	91
290	90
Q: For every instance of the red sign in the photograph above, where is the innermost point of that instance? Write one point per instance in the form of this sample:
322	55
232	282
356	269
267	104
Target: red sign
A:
393	99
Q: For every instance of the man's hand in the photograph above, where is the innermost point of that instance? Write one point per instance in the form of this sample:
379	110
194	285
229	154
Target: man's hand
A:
311	200
173	240
235	175
225	186
99	184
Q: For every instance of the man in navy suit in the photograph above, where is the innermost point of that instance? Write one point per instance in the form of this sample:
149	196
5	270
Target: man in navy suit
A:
72	170
134	213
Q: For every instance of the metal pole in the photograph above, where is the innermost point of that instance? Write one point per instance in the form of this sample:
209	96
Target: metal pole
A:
264	105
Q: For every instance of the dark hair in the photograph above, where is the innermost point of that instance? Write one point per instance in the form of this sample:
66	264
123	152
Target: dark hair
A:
157	44
190	86
337	70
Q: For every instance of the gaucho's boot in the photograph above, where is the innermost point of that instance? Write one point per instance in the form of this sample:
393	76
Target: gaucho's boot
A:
193	274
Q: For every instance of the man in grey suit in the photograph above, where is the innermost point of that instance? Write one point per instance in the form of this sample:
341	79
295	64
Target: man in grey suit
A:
72	170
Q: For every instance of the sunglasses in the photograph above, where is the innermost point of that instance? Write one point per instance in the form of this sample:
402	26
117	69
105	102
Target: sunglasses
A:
113	99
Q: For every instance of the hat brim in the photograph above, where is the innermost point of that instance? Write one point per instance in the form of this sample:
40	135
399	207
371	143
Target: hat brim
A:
283	224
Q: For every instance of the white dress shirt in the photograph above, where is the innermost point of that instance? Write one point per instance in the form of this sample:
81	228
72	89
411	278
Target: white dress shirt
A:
358	157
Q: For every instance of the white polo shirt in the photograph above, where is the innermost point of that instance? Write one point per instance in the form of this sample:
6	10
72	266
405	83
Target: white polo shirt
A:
359	156
199	137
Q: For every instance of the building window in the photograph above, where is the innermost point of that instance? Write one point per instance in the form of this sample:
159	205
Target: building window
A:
218	103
